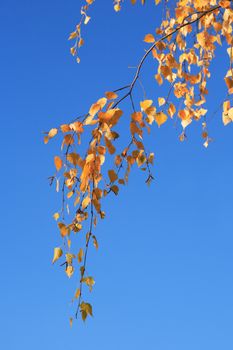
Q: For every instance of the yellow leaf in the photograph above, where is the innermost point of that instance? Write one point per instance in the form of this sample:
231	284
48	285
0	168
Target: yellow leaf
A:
53	132
227	116
56	216
86	202
46	140
95	108
117	7
160	118
71	321
87	19
58	163
151	158
171	110
145	104
69	271
205	40
69	258
95	242
84	315
182	137
141	159
186	122
77	293
77	200
81	42
89	282
161	101
102	102
63	229
86	307
65	128
80	255
159	79
90	120
149	38
57	254
70	194
77	126
72	35
73	51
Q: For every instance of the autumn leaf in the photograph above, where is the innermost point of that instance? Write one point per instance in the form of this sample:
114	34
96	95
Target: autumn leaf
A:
64	230
73	35
86	202
87	19
114	189
53	132
161	101
57	254
171	110
86	308
95	108
56	216
58	163
137	117
95	242
89	281
77	126
117	7
112	175
160	118
111	95
80	255
77	293
69	271
159	79
145	104
65	128
149	38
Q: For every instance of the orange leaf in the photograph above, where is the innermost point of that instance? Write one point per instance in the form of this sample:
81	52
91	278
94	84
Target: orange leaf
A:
160	118
111	95
58	163
149	38
145	104
112	175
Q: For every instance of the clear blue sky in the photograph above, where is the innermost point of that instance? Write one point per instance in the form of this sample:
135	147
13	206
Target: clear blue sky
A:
164	267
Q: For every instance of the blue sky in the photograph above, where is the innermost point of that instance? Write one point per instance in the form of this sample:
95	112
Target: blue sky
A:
164	267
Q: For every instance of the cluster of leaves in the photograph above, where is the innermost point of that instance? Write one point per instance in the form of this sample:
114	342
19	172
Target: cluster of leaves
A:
183	47
76	34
